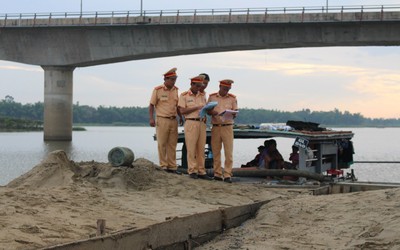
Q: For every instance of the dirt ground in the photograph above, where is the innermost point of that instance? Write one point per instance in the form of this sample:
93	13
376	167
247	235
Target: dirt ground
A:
60	201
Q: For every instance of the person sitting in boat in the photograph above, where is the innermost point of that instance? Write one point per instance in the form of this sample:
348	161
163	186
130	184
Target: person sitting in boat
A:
273	159
256	160
294	157
263	153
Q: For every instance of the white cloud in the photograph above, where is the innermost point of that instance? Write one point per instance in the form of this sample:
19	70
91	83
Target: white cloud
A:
20	68
95	91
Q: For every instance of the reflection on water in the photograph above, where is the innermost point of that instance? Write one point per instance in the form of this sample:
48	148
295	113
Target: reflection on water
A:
21	151
381	172
51	146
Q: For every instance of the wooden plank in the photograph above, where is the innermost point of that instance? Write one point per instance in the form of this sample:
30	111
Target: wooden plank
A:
366	186
349	187
137	238
183	229
101	226
177	233
325	190
235	216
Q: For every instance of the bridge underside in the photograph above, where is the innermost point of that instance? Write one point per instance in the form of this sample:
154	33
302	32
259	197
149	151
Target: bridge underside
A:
60	49
88	46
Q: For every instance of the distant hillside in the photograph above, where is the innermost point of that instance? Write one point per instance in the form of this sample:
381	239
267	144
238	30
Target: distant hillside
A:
83	114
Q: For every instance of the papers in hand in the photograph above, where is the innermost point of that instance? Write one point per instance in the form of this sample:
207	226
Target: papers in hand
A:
228	114
207	107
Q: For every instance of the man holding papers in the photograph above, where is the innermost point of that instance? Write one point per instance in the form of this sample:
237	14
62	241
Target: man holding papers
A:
222	129
190	103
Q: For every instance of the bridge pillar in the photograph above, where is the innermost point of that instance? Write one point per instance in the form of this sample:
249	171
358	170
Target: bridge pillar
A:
57	103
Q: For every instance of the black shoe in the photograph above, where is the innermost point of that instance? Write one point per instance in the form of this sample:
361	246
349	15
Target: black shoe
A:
228	180
172	171
204	177
216	178
194	176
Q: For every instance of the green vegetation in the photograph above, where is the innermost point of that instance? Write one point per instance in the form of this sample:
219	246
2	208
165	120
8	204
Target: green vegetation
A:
8	124
14	124
78	129
31	116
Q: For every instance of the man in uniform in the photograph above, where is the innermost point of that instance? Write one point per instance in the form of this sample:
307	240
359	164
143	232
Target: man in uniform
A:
164	101
205	83
222	130
202	90
190	104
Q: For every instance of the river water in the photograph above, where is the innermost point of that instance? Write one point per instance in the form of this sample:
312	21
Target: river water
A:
21	151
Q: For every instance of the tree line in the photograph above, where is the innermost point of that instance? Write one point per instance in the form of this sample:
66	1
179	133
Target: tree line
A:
84	114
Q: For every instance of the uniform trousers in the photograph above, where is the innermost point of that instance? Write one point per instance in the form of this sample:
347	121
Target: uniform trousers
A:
195	140
167	138
222	135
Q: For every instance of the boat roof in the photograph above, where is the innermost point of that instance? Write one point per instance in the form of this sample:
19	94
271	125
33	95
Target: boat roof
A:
326	135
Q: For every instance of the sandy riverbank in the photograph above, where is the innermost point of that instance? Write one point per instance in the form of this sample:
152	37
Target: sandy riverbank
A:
60	201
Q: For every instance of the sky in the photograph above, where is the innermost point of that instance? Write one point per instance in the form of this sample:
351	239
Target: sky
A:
362	80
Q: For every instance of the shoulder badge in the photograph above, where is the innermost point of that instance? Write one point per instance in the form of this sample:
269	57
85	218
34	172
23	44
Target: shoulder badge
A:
214	93
184	93
158	87
232	95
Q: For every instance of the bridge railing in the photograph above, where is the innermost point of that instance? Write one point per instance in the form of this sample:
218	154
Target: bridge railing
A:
199	16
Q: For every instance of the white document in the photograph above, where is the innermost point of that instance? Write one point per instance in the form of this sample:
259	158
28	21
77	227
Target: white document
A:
228	114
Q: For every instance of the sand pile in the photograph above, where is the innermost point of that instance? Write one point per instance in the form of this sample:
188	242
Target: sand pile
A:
60	201
57	170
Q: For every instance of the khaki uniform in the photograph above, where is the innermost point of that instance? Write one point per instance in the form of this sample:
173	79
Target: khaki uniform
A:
222	133
199	162
165	102
195	132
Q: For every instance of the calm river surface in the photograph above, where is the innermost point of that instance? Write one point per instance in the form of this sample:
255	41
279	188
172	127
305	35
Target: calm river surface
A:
21	151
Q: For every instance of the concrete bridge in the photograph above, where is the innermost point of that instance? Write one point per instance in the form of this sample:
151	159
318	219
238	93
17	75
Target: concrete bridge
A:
60	42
